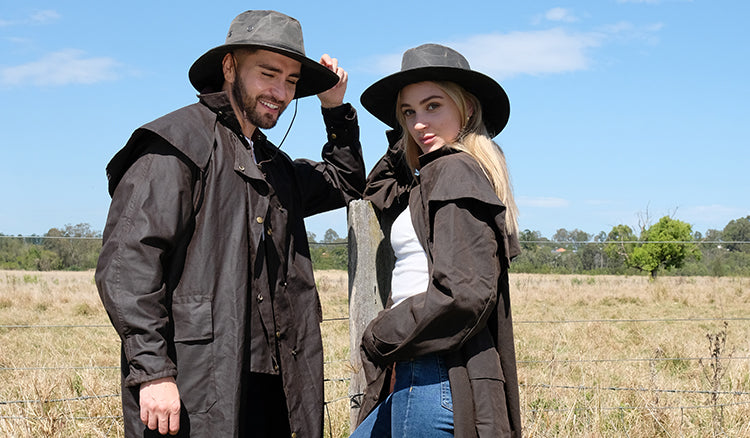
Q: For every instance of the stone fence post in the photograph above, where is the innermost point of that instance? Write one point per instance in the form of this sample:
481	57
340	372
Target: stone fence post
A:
370	266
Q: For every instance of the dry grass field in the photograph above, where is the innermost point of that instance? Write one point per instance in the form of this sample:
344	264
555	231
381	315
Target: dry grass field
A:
598	356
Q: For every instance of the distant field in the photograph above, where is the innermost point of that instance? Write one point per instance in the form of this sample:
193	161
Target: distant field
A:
599	356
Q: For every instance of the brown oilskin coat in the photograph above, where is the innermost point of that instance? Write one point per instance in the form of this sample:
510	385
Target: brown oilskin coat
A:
190	211
465	313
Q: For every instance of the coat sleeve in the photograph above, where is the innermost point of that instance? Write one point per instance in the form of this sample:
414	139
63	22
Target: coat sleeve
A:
461	295
340	176
389	181
151	207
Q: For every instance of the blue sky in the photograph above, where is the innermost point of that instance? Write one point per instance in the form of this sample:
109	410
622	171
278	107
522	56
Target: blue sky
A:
620	109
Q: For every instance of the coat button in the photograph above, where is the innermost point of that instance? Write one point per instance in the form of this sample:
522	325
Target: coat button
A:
259	220
269	231
259	298
242	168
294	434
333	136
278	334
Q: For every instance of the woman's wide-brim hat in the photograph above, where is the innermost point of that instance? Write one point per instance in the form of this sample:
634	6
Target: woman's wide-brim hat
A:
268	30
433	62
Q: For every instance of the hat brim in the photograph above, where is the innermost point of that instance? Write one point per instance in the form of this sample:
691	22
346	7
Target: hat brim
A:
206	72
380	98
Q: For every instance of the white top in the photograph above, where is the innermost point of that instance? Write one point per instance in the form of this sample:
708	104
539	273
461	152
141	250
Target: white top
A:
252	150
410	273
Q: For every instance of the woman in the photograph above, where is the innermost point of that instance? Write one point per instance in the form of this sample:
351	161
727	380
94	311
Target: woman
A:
444	197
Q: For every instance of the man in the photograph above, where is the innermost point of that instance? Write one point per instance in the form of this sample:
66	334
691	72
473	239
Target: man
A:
205	270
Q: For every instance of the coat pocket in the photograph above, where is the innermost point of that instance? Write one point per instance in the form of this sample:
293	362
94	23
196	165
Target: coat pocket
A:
194	352
490	408
483	360
192	318
488	386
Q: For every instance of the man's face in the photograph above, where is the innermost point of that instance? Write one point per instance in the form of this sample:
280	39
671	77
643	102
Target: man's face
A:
264	84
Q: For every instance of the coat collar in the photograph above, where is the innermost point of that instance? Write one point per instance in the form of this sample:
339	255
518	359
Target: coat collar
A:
429	157
220	105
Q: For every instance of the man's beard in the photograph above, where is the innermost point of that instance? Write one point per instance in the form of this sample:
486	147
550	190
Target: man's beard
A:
248	104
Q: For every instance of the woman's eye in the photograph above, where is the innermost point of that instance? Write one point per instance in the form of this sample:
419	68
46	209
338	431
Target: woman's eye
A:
408	112
433	105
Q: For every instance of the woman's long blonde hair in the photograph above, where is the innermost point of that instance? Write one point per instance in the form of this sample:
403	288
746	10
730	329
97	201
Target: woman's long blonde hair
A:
475	141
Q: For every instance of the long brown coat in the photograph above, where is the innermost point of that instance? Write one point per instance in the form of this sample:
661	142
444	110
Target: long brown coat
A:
183	249
465	313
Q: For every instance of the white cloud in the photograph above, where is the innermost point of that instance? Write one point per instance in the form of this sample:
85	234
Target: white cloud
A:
386	64
64	67
619	27
601	202
19	40
38	17
716	214
625	30
560	14
44	16
538	52
542	202
549	51
505	55
654	2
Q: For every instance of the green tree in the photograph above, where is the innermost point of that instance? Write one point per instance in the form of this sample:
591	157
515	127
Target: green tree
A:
26	253
712	235
573	238
331	236
620	244
530	239
311	237
664	245
76	245
737	230
601	237
39	259
332	253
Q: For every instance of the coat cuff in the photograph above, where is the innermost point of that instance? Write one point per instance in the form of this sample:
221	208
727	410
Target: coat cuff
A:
136	377
341	123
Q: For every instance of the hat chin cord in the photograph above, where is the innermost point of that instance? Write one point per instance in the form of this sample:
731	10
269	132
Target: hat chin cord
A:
294	116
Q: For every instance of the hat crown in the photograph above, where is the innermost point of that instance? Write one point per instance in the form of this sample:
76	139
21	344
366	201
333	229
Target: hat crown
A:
435	62
266	28
433	55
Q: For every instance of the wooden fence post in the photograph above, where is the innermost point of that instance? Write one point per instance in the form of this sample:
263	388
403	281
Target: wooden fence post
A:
370	266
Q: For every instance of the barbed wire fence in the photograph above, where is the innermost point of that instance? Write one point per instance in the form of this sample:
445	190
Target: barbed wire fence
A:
741	397
115	418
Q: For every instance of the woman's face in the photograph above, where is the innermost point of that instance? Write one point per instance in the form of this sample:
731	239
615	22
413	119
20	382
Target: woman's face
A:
432	117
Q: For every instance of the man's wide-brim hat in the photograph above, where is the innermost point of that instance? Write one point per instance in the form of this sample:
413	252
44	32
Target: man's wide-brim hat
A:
433	62
268	30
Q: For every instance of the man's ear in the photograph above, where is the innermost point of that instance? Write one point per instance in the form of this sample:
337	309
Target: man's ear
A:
228	66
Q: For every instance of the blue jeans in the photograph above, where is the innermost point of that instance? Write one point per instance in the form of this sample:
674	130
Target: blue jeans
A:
421	404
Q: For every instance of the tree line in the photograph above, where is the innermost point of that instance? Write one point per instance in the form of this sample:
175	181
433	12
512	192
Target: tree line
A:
71	248
668	245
